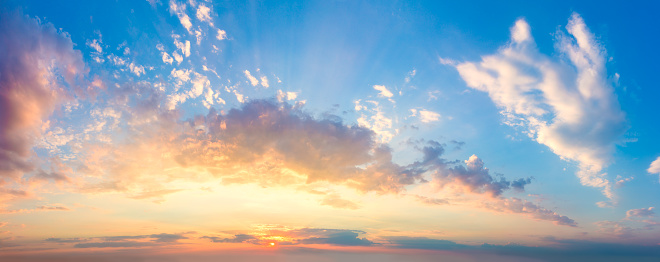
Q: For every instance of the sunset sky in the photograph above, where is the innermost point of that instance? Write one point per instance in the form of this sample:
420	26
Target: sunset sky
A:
171	130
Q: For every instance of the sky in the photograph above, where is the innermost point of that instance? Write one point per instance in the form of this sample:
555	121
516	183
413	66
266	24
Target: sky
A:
171	130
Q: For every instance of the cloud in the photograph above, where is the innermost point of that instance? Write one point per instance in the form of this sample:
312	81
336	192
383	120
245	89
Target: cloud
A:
520	206
180	11
427	116
642	212
282	96
167	58
383	91
334	237
56	208
615	228
122	241
253	80
204	14
114	244
424	243
222	35
432	201
297	236
240	238
264	81
410	75
183	46
41	72
568	106
65	240
272	144
654	168
336	201
373	117
520	183
136	69
94	44
473	177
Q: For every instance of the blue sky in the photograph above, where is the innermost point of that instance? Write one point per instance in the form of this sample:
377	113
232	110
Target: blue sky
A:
427	126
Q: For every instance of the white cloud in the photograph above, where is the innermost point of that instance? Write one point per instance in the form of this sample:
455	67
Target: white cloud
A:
167	58
654	168
94	44
383	91
411	74
182	75
184	47
222	35
239	96
204	14
136	69
428	116
116	60
253	80
177	57
286	95
568	106
377	122
447	61
180	11
264	81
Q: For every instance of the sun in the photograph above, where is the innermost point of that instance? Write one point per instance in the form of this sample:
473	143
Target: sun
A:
272	244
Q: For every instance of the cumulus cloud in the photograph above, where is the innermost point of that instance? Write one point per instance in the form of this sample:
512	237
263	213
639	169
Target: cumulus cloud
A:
253	80
654	168
283	96
180	11
264	81
276	144
568	106
40	73
222	35
204	14
183	46
383	91
427	116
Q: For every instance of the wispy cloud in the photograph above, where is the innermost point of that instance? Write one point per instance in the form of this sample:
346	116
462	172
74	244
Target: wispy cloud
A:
571	108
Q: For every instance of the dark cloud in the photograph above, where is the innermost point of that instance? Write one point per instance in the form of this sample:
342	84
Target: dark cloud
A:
338	238
240	238
520	206
122	241
560	250
65	240
56	208
114	244
642	212
424	243
520	183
